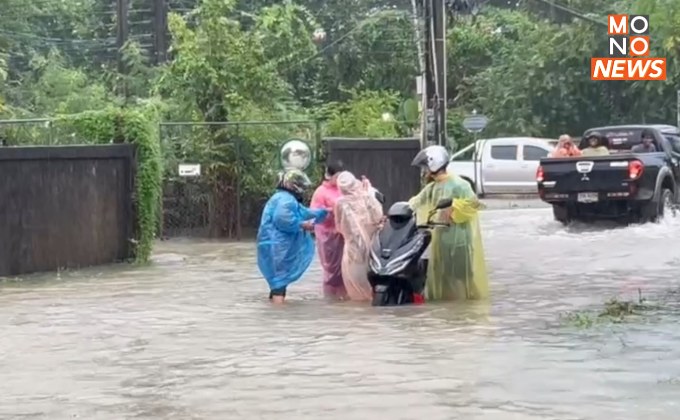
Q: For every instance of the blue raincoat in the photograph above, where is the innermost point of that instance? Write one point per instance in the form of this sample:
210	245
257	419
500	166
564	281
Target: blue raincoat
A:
284	250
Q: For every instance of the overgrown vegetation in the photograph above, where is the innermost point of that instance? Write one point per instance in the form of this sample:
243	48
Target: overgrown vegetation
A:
614	312
136	126
525	69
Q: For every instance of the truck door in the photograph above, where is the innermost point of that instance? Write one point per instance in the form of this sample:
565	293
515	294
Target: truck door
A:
501	168
671	144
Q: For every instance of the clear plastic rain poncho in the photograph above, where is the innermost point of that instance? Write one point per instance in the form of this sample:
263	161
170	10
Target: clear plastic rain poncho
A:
358	215
284	249
456	269
329	241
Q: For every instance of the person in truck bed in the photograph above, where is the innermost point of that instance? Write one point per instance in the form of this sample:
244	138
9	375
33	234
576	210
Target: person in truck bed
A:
647	145
596	145
565	148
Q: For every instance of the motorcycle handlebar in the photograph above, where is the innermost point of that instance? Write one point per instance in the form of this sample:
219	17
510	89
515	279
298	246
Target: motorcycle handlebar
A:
432	224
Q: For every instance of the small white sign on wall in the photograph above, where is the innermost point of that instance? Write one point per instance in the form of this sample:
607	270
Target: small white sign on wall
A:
189	169
420	85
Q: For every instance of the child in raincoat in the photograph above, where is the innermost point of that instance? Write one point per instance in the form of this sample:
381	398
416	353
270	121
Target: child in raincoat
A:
456	267
358	216
285	247
329	242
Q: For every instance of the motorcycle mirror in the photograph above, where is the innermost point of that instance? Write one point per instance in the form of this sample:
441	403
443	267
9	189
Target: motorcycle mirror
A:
444	203
380	197
296	154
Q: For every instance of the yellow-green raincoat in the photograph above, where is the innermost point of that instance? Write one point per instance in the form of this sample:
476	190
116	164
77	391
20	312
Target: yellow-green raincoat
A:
457	268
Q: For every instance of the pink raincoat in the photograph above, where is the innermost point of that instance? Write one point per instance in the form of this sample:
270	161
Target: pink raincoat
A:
329	242
358	215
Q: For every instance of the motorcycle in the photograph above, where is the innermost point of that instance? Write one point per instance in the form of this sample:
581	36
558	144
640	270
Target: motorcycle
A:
398	259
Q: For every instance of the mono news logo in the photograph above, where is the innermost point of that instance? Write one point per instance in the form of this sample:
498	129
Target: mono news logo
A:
629	48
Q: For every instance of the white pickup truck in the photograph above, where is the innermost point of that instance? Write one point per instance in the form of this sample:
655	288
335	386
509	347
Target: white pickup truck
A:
503	165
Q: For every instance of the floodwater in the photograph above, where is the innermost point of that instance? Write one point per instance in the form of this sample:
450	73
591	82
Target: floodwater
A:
194	337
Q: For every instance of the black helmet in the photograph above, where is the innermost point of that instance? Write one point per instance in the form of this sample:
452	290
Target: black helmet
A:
295	181
334	168
595	134
399	214
400	209
601	140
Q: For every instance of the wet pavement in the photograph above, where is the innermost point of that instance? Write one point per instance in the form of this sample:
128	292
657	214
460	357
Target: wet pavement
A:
193	337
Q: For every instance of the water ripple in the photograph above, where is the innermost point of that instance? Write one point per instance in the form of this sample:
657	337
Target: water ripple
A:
193	337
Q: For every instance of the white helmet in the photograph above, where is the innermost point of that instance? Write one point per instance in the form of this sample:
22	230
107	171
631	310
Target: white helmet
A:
433	158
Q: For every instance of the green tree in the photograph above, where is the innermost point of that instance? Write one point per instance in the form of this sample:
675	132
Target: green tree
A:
366	114
52	87
286	30
218	66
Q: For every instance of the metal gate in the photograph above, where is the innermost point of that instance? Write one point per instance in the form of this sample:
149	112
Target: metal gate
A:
385	162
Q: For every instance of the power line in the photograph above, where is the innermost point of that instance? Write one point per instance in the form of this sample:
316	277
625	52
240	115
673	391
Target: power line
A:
55	40
16	35
573	12
20	12
369	19
107	41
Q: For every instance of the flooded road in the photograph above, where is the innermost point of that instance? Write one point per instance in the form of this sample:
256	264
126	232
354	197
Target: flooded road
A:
193	337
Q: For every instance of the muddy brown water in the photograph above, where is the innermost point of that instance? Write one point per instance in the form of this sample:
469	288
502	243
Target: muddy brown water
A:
193	337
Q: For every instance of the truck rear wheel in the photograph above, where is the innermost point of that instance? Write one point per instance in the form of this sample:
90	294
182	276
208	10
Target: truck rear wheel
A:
654	210
666	204
561	213
648	212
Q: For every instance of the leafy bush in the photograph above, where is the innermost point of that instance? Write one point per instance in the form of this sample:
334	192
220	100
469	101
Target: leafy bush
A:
138	127
362	115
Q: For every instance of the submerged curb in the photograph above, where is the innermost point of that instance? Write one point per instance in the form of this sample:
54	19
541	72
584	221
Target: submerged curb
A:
514	202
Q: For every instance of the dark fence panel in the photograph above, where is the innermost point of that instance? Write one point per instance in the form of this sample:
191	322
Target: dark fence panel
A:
65	207
387	163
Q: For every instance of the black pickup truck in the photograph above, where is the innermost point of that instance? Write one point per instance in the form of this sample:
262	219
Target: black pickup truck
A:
625	186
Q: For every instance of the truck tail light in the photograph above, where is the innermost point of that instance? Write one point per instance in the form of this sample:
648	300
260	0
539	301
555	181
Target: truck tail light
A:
635	169
539	174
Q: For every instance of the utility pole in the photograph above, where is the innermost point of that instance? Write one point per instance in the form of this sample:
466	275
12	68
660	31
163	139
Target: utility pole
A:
439	24
435	71
553	13
677	108
122	10
422	65
160	28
